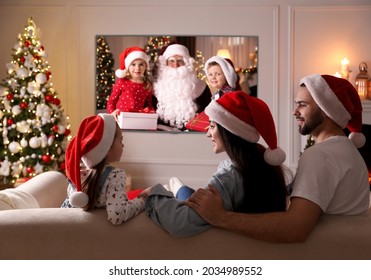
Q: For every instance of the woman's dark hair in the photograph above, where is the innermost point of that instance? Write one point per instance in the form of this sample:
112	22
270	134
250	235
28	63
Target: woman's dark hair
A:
90	184
264	185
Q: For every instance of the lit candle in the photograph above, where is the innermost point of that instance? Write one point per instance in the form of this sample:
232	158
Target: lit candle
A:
345	68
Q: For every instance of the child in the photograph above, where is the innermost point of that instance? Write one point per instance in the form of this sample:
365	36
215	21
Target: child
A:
221	75
99	142
252	180
132	91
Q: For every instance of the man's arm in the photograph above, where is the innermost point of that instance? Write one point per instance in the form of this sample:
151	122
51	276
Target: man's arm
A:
294	225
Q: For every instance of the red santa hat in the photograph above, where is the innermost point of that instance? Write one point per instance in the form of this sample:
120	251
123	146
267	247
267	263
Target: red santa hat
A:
249	118
91	145
340	101
176	49
227	68
127	57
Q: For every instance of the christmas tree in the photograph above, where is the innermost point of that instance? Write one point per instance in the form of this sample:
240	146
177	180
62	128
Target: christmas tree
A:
154	47
34	131
105	77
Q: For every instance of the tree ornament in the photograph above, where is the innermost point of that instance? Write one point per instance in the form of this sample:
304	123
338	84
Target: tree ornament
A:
16	110
46	158
41	78
34	142
14	147
24	143
22	73
29	169
23	105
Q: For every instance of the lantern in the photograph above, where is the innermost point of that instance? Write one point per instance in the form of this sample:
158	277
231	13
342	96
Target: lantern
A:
362	80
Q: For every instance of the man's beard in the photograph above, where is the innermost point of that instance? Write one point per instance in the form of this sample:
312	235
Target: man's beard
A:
308	126
176	90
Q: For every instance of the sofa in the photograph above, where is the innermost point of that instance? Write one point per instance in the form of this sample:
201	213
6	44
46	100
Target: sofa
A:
32	226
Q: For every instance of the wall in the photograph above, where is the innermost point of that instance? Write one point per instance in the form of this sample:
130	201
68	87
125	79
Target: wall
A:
296	38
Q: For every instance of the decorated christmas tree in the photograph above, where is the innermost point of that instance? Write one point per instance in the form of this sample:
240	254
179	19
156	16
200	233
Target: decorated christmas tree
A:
34	131
105	77
154	46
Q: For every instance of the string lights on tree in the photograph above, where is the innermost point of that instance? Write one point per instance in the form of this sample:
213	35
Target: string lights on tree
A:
34	131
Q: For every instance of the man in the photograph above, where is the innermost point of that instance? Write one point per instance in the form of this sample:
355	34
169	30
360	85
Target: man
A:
332	176
179	93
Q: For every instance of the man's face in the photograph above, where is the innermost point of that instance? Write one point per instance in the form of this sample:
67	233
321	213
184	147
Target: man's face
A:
307	113
175	61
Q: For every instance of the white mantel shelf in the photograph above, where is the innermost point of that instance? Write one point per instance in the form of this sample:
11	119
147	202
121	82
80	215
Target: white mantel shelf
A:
366	116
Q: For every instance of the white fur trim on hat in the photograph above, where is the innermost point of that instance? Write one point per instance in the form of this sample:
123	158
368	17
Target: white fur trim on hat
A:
176	49
217	113
136	55
79	199
99	152
228	70
326	99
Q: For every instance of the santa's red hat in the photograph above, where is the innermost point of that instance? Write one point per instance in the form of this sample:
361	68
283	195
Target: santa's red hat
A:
91	145
127	57
227	68
249	118
340	101
176	49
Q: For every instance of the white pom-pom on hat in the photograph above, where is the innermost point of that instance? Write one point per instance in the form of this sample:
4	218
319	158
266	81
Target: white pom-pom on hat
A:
120	73
79	199
274	157
358	139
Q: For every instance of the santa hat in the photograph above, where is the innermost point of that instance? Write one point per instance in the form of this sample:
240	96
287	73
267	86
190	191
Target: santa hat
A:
340	101
227	68
127	57
249	118
91	145
176	49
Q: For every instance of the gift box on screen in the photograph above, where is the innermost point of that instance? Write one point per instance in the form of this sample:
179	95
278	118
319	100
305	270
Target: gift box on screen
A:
146	121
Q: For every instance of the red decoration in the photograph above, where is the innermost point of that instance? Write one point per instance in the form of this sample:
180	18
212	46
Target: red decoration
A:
67	132
49	98
48	74
46	158
62	166
9	96
27	43
24	105
29	169
10	122
56	101
22	59
55	128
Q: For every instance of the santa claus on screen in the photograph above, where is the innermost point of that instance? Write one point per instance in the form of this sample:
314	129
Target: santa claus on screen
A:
179	92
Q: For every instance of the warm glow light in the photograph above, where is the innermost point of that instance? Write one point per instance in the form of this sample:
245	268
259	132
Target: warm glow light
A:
337	74
345	68
224	53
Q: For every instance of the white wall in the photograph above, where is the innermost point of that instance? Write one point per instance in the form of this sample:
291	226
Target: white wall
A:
296	38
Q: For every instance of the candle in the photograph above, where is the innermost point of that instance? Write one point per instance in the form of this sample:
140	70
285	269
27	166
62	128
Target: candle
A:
345	68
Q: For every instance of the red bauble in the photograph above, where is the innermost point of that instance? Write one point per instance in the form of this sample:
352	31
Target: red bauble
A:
9	96
46	158
62	166
55	128
27	43
56	101
67	132
48	74
10	122
49	98
22	59
29	169
24	105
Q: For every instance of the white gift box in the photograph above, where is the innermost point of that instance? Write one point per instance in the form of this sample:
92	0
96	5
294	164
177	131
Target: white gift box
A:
147	121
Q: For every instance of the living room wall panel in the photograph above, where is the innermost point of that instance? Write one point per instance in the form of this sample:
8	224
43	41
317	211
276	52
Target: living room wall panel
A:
154	157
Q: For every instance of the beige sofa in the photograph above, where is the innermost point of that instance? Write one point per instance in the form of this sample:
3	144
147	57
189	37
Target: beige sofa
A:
48	232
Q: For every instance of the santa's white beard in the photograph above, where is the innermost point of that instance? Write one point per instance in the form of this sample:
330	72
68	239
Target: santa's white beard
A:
176	89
